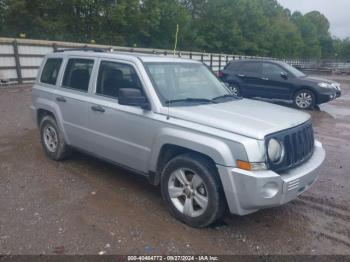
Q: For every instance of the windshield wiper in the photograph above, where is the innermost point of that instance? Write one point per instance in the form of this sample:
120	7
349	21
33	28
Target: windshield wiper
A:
191	100
225	96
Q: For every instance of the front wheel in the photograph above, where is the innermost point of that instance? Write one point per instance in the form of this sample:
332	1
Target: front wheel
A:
304	99
192	190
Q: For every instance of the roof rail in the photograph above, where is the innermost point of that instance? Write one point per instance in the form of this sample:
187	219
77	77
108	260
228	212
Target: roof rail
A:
86	49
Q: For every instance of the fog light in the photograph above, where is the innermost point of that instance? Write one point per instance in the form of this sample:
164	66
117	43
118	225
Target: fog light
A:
270	190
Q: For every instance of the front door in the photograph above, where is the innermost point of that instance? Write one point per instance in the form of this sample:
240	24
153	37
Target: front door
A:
122	134
275	84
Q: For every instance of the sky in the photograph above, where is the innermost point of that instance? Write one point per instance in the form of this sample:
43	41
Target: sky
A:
337	12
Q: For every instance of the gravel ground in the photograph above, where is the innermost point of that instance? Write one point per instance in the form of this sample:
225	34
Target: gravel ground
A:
85	206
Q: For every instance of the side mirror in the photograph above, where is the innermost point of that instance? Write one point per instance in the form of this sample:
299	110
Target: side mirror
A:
133	97
284	75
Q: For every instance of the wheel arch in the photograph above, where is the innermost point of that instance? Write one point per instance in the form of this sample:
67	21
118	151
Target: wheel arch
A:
176	142
170	151
313	90
41	113
45	107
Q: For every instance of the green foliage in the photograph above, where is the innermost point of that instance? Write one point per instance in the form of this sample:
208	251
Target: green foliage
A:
254	27
342	48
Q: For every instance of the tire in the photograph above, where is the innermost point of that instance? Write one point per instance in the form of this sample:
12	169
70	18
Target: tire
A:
304	99
236	90
52	139
206	196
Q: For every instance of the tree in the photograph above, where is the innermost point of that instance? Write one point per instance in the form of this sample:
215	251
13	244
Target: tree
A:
2	15
254	27
322	26
342	48
308	31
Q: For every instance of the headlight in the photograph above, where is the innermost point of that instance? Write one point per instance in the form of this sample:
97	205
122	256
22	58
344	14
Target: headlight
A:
325	85
336	86
275	151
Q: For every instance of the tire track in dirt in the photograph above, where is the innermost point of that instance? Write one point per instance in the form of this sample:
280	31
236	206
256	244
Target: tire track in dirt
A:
332	220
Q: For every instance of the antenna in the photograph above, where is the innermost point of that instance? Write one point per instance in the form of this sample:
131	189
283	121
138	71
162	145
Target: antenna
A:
176	36
168	115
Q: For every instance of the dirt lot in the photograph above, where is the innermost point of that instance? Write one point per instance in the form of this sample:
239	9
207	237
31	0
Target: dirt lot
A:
85	206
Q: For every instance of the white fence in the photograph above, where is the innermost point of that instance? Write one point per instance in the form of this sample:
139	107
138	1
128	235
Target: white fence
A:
21	58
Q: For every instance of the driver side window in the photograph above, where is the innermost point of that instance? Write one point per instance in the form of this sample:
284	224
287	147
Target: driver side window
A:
269	69
113	76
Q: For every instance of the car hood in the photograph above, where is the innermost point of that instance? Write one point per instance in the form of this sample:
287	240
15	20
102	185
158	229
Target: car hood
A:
246	117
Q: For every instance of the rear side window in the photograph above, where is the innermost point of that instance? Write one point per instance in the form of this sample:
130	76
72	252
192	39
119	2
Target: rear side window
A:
77	74
51	70
251	67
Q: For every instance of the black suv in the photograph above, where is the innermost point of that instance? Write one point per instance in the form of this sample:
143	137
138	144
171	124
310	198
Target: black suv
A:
278	80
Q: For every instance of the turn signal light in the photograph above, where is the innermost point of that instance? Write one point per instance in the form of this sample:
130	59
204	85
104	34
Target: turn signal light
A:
244	165
250	166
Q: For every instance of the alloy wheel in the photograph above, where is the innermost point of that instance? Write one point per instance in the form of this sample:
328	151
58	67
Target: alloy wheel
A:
188	192
304	100
50	138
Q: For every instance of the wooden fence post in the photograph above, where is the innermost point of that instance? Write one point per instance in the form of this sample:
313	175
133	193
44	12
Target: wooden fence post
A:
219	62
54	46
211	61
17	60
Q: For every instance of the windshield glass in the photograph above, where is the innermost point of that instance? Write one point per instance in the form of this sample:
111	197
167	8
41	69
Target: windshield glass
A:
294	71
185	83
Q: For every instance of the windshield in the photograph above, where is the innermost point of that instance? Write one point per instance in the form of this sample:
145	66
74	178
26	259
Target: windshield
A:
293	70
186	83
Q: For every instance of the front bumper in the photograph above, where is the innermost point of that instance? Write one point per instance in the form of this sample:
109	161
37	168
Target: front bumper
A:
249	191
329	96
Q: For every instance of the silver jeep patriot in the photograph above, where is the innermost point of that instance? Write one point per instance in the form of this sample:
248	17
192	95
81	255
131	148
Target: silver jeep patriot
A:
173	121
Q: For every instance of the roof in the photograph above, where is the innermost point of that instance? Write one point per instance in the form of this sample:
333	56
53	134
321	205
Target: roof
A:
123	55
255	60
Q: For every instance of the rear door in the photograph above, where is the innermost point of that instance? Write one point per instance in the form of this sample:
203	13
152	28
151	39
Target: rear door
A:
250	75
72	97
274	85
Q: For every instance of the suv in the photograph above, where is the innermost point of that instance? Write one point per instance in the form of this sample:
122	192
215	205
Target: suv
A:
278	80
171	120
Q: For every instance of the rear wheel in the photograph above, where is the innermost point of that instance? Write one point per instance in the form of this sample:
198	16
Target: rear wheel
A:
192	190
52	139
235	89
304	99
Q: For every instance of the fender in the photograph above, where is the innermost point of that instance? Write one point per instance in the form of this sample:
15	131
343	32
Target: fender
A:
51	106
219	151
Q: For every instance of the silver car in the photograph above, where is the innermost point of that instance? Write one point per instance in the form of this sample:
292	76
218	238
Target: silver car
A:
171	120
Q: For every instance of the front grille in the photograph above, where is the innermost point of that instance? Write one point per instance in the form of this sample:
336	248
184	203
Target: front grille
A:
298	143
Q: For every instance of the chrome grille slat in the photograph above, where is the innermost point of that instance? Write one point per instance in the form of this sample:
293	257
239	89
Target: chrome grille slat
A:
299	145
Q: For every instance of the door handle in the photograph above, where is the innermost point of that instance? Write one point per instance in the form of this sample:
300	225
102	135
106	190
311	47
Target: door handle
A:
98	109
240	75
61	99
265	78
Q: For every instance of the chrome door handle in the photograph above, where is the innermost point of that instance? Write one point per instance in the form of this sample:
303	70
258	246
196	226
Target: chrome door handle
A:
240	75
264	78
61	99
98	109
